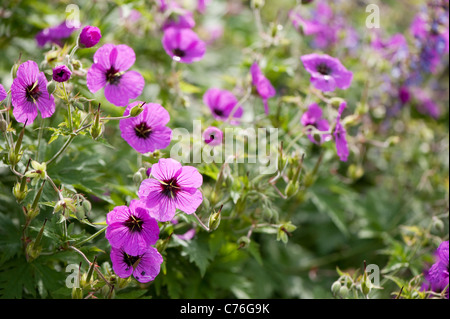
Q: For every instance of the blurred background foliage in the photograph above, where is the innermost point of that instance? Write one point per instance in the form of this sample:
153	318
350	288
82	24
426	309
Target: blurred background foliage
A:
388	205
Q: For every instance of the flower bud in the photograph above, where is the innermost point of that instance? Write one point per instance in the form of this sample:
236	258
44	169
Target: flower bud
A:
137	178
89	37
243	242
97	127
366	286
137	109
292	188
336	101
336	287
3	125
51	87
87	206
343	292
257	4
438	224
214	220
76	65
77	293
79	213
14	69
20	194
355	171
32	251
61	73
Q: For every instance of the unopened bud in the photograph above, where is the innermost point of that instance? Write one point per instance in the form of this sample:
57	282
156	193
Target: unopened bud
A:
336	287
214	220
355	171
257	4
137	178
438	225
20	194
14	69
3	125
336	101
292	188
137	109
51	87
87	206
366	286
243	242
32	252
343	292
77	293
79	213
76	64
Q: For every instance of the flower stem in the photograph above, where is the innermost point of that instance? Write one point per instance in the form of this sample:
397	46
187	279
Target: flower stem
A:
63	148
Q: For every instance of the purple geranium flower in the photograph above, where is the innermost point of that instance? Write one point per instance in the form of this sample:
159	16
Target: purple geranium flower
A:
327	73
262	85
213	136
61	73
131	228
29	94
144	266
183	45
171	187
89	36
437	276
340	135
109	70
324	25
425	104
222	103
146	132
55	34
178	17
3	94
313	117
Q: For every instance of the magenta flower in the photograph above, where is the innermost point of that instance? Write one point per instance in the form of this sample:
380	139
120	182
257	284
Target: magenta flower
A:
313	117
144	266
425	104
61	73
327	73
3	94
262	85
178	17
171	187
89	36
201	5
437	277
183	45
131	228
146	132
213	136
323	25
29	94
222	103
109	70
55	34
340	135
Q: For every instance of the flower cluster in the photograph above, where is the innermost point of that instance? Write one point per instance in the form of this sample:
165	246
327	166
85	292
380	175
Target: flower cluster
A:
131	232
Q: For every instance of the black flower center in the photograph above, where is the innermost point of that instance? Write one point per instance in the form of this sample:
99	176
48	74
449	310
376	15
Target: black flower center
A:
60	73
324	69
113	76
218	112
130	260
33	92
170	188
134	224
179	53
142	130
